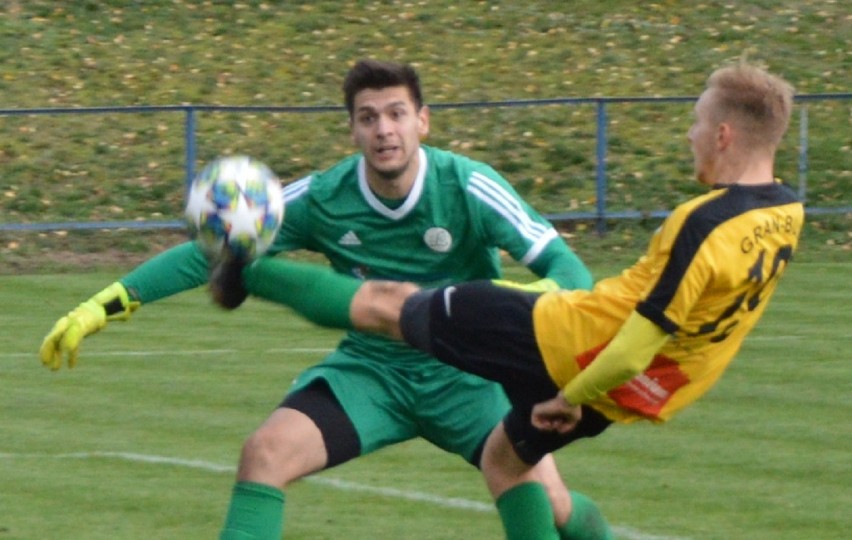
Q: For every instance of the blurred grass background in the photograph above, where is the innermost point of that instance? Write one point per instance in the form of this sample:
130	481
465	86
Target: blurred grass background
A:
130	166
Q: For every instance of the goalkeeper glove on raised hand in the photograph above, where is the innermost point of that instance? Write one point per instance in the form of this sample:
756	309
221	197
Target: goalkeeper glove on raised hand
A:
63	340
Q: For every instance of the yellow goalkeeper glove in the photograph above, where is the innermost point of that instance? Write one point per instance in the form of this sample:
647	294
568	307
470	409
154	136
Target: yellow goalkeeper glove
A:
111	304
542	285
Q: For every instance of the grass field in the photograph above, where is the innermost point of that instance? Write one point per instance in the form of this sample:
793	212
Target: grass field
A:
140	441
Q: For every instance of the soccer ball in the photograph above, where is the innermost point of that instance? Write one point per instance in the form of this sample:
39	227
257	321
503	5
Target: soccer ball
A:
235	207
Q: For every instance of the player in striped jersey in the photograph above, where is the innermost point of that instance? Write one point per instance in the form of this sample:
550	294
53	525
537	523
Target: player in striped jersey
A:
398	210
639	346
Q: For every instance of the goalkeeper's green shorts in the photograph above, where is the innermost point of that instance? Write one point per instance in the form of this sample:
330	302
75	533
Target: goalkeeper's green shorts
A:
389	402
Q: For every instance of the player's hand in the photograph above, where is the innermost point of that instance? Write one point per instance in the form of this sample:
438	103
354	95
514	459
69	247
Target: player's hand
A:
226	281
556	415
63	340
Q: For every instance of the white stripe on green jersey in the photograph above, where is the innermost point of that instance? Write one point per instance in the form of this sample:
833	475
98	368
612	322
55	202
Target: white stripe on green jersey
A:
495	196
508	206
296	189
325	207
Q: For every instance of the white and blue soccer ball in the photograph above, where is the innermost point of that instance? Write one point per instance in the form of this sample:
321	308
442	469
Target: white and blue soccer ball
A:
235	205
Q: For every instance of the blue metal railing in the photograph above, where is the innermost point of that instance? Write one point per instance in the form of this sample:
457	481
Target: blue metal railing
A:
601	215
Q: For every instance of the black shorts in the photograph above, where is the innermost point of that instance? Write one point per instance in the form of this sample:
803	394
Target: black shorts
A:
487	330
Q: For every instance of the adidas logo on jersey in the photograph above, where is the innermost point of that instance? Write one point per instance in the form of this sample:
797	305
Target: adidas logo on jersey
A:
349	239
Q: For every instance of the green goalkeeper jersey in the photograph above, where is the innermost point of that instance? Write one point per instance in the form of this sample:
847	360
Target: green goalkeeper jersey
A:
451	227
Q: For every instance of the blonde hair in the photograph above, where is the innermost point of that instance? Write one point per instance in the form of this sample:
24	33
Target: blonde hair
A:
758	102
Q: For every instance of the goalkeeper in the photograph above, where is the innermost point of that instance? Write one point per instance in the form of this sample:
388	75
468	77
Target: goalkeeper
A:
398	210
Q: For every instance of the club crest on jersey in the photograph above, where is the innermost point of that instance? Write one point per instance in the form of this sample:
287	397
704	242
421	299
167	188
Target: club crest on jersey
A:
438	239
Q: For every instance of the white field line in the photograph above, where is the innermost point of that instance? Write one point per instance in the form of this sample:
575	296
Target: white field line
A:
210	352
773	338
626	533
277	350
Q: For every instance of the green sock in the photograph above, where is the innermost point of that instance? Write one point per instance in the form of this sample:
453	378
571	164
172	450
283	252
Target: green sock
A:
256	512
526	513
586	521
316	292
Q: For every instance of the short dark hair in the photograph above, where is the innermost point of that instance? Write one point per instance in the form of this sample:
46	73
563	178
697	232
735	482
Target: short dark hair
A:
376	74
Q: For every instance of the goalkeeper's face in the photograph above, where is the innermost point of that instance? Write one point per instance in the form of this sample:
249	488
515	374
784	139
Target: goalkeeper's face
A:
387	127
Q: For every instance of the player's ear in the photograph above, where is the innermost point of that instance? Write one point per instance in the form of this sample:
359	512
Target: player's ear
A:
423	121
724	135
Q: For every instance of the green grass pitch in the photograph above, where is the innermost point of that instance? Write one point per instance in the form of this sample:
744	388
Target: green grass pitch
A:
140	441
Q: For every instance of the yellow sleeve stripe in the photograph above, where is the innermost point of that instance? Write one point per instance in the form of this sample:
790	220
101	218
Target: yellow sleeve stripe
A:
542	285
629	353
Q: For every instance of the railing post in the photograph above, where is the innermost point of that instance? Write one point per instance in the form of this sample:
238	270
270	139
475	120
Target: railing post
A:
600	166
803	153
189	143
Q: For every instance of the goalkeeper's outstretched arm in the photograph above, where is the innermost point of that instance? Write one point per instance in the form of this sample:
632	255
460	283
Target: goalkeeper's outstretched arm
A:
177	269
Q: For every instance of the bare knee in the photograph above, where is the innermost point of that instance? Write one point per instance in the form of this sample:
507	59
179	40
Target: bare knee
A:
259	452
285	448
557	492
501	466
504	469
264	459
